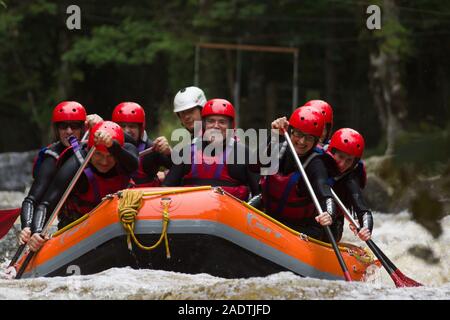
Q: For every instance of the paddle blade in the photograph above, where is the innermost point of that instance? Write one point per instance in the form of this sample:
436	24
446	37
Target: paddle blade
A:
7	219
407	282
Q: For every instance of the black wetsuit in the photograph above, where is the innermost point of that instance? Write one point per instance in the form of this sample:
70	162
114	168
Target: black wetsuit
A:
348	188
43	174
150	163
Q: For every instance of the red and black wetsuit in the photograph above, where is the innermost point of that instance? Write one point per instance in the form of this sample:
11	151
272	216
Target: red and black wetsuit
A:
90	188
216	170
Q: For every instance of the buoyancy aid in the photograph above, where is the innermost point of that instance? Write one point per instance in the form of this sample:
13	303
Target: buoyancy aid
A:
213	170
280	193
79	204
53	150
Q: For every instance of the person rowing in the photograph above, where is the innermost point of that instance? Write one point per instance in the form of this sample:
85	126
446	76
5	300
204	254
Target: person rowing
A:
131	117
108	171
69	119
348	178
213	159
284	194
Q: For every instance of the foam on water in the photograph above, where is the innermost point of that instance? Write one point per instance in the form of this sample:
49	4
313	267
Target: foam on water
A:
394	234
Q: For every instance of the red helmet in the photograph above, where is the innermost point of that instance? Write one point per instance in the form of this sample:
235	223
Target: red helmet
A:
112	128
129	112
347	140
308	120
324	108
220	107
69	111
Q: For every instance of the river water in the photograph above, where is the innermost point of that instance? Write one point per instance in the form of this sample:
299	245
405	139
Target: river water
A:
410	246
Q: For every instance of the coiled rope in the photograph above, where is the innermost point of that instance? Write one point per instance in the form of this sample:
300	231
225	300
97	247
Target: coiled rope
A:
129	204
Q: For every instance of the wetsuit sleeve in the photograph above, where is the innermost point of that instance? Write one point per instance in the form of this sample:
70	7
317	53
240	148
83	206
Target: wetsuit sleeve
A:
164	161
176	173
363	212
62	181
251	176
153	161
253	182
55	191
47	171
240	170
126	156
318	177
263	154
40	184
175	176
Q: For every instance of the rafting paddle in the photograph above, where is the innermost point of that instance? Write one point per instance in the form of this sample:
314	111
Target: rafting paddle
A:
397	276
318	208
7	219
10	270
57	208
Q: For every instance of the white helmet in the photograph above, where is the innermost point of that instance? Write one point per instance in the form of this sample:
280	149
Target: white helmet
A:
188	98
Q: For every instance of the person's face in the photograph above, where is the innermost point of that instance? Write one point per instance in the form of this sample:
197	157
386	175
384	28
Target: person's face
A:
302	142
67	129
189	116
102	161
131	128
344	161
216	127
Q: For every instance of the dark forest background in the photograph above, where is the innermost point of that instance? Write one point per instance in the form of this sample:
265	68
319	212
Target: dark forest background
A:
391	84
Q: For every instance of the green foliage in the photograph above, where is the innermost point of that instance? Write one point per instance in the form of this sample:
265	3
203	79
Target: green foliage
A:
131	43
143	50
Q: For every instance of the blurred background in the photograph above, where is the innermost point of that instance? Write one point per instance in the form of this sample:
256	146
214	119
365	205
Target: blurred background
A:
392	84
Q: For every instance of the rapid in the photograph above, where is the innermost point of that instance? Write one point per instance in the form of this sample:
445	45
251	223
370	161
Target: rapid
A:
409	245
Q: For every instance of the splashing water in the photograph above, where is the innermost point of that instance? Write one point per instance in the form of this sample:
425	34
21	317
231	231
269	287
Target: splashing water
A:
394	234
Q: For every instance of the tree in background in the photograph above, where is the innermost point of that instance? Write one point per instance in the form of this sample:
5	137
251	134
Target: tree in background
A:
143	51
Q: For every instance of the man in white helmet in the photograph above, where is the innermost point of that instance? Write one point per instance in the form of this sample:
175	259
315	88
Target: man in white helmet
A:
188	104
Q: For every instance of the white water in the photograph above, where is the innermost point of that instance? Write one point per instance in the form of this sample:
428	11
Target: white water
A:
394	234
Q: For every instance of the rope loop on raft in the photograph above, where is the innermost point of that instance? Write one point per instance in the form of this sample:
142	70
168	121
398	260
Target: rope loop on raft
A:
130	202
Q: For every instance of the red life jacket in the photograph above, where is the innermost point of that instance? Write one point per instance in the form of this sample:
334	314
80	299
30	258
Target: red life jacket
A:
213	170
79	204
140	177
280	195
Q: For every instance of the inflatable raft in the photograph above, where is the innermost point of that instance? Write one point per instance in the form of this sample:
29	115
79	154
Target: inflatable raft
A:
189	230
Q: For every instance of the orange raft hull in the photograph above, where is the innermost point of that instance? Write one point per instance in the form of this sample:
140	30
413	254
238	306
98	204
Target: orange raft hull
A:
208	231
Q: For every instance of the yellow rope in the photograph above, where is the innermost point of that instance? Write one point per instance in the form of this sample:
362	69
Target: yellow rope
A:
71	225
176	191
129	205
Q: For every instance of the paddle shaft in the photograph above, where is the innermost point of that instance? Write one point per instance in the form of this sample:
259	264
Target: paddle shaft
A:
318	208
17	255
396	275
369	242
57	208
145	152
